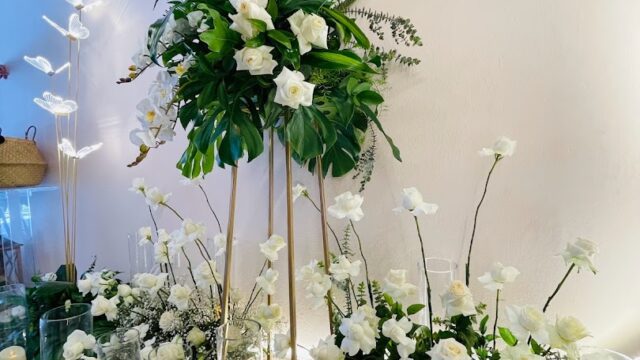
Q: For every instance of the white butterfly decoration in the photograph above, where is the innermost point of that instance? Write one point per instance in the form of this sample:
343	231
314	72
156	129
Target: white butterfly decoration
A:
67	148
44	65
76	30
81	5
55	104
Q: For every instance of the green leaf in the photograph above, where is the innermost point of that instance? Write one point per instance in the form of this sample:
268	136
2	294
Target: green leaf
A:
337	60
370	97
414	309
255	42
272	8
507	336
155	33
303	137
280	37
349	25
324	124
258	25
220	39
537	349
250	135
230	149
483	324
373	117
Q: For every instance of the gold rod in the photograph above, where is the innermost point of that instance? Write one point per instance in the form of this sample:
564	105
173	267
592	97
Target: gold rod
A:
325	233
270	222
291	252
226	290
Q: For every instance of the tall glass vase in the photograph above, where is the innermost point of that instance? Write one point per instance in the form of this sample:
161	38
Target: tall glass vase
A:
441	273
57	324
13	317
122	344
240	339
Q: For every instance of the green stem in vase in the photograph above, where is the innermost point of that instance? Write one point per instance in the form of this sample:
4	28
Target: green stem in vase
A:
426	276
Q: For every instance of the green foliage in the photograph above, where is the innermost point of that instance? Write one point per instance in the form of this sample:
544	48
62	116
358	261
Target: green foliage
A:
507	336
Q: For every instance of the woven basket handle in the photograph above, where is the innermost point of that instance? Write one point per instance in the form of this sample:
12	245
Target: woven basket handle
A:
26	134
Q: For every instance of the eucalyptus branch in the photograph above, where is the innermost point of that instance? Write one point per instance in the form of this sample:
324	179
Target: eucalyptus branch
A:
475	220
555	292
206	197
366	266
426	276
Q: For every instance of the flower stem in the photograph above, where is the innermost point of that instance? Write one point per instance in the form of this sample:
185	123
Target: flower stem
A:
335	236
206	197
255	285
475	220
172	210
495	322
155	224
366	266
555	292
426	276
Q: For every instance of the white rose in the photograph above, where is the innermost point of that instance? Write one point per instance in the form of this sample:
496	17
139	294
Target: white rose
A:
581	253
196	337
180	296
138	186
502	148
299	190
457	300
220	244
498	276
397	330
207	275
347	206
395	285
342	268
326	350
271	247
124	290
315	282
527	321
567	331
258	61
406	348
268	315
449	349
170	351
149	282
167	321
77	342
267	282
519	352
107	307
155	197
359	333
193	231
292	90
413	202
249	9
310	30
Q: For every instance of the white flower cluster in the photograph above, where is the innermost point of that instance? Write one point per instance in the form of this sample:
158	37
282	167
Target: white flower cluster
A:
97	283
77	343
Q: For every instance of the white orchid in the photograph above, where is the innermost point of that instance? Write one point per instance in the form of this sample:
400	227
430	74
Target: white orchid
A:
154	197
258	61
342	268
152	117
457	300
180	296
68	150
359	332
184	65
413	202
347	206
162	89
299	190
498	275
292	90
326	350
581	253
315	282
138	186
395	285
310	29
56	105
145	235
107	307
44	65
449	349
503	147
267	282
76	30
527	321
196	20
271	247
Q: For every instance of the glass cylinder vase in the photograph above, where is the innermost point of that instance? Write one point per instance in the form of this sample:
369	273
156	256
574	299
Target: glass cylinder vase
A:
170	350
240	339
121	344
13	317
441	273
58	323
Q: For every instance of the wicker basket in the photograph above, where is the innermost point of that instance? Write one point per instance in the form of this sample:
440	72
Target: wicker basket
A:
21	164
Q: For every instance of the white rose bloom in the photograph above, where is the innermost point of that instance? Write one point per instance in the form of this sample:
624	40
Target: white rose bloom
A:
170	351
155	197
499	275
196	337
449	349
207	275
193	231
581	253
395	285
267	282
124	290
342	268
49	277
163	252
268	315
258	61
397	330
310	30
84	286
359	333
502	148
413	202
180	296
347	206
220	244
271	247
566	332
527	321
107	307
519	352
77	342
167	321
326	350
249	9
298	190
281	345
457	300
142	329
292	90
138	186
315	282
406	348
19	312
145	235
149	282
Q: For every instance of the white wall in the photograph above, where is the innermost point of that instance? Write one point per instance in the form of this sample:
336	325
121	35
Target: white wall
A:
560	77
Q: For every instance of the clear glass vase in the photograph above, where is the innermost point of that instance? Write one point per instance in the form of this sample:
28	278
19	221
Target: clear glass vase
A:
13	317
441	273
122	344
171	351
239	339
57	324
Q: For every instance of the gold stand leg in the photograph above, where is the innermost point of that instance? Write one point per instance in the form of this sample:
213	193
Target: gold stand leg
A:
325	234
291	255
226	290
270	221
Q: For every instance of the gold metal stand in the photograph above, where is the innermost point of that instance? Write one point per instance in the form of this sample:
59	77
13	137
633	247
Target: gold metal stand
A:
226	289
270	221
325	233
291	254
